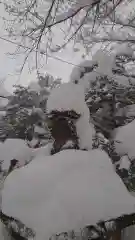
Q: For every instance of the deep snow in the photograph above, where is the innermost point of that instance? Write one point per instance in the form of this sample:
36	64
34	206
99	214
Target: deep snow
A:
66	191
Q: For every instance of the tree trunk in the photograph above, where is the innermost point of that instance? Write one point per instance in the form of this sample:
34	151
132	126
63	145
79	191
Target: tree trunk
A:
116	236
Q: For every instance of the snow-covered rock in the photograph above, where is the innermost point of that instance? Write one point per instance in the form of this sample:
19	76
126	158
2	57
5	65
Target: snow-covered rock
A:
14	149
68	97
124	139
66	191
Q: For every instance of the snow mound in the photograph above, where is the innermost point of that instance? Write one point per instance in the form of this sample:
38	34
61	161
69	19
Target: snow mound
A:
66	191
70	96
125	140
66	97
14	149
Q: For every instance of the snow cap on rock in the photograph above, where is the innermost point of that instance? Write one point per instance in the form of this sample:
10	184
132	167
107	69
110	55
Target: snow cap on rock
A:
71	97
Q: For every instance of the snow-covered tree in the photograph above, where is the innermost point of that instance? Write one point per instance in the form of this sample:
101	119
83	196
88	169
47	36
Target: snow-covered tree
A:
31	205
32	25
109	89
26	111
109	94
18	112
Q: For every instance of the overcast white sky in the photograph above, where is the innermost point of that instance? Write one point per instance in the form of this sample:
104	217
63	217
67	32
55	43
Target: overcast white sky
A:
57	68
54	67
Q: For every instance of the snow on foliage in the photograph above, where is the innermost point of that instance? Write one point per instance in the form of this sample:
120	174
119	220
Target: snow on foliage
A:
109	91
34	86
124	49
106	62
42	151
66	191
68	97
124	140
39	130
80	4
103	63
124	163
81	69
14	149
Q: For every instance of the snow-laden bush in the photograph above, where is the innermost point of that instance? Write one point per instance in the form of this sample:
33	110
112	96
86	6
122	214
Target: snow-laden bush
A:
77	185
110	96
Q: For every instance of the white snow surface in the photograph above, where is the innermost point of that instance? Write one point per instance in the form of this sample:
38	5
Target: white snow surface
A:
66	191
66	97
78	70
105	61
124	49
70	96
125	140
14	149
124	163
39	130
34	86
42	151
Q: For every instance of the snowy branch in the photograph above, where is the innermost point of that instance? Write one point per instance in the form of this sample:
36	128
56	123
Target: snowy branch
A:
73	12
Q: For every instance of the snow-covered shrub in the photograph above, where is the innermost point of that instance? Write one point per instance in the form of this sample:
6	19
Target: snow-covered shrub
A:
109	93
110	96
25	111
14	149
65	192
67	104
